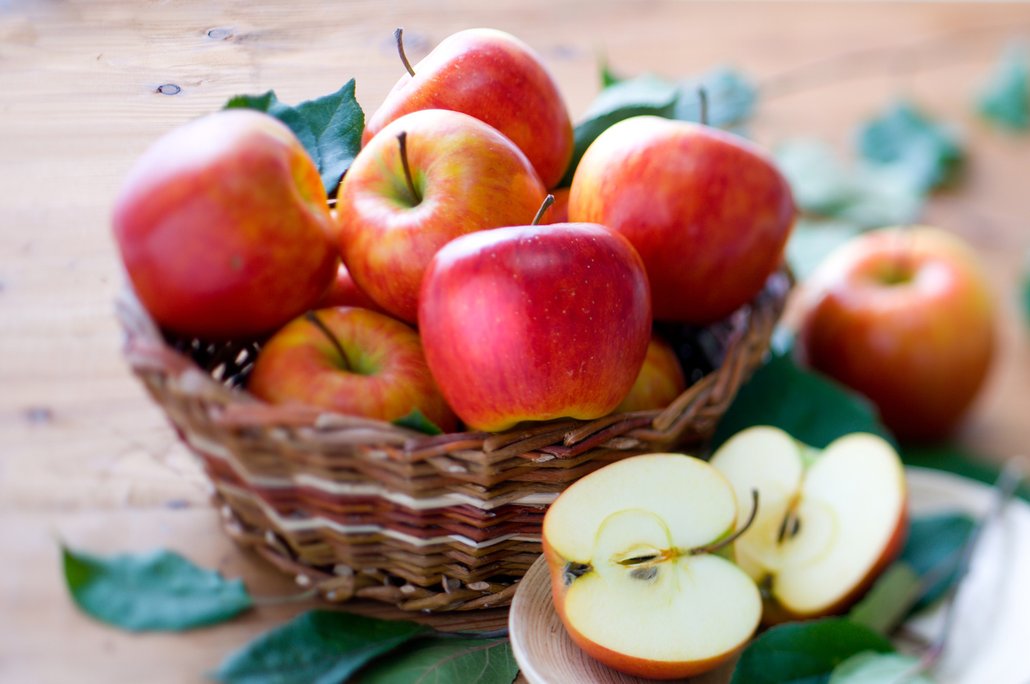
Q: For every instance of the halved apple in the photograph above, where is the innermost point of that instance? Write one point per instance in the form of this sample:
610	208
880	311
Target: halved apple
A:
829	523
635	571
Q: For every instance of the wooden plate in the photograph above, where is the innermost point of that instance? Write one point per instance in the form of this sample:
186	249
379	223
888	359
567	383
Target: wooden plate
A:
990	636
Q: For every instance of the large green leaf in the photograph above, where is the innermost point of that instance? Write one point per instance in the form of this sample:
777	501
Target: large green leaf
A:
1005	100
329	127
933	549
318	647
809	406
878	668
160	590
805	652
445	661
887	603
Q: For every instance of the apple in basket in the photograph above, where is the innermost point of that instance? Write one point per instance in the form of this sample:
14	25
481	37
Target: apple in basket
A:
425	179
224	228
829	521
496	78
638	580
343	291
708	212
352	361
535	322
660	380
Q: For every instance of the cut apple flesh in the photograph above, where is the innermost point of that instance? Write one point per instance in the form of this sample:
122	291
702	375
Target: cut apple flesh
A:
827	521
635	579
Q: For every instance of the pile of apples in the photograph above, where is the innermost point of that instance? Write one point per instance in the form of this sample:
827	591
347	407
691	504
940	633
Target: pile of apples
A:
437	283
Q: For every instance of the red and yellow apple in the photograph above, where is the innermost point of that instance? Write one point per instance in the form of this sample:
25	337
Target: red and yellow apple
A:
496	78
707	210
343	291
905	317
351	361
828	523
465	177
660	380
534	323
635	574
224	227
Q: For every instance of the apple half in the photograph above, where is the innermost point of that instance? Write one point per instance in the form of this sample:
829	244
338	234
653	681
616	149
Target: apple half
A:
829	523
636	573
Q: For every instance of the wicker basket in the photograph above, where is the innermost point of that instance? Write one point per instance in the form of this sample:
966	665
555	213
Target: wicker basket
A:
362	508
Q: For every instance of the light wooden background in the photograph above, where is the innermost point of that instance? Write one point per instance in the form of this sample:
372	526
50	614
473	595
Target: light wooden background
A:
85	457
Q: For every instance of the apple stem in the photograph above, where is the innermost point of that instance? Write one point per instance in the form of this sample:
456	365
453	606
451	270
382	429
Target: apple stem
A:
402	138
398	35
544	206
722	543
313	318
702	98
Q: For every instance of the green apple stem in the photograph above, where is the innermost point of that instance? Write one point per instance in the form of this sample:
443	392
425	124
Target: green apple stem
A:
402	138
398	35
544	206
313	318
722	543
702	99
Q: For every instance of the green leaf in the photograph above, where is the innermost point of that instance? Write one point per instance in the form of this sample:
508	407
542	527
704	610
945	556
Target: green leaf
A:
416	420
443	661
889	600
608	77
317	647
329	127
878	668
808	406
1005	101
933	546
160	590
804	652
903	137
811	241
954	460
731	98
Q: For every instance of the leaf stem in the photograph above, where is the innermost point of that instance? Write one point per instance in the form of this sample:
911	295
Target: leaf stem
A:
398	35
402	140
313	318
544	206
702	98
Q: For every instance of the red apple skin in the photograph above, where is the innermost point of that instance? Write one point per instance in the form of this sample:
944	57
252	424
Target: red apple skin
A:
224	228
708	211
388	376
660	380
919	350
496	78
343	291
534	323
559	210
471	178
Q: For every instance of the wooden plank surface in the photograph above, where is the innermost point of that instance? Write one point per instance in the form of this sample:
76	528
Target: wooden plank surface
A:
86	457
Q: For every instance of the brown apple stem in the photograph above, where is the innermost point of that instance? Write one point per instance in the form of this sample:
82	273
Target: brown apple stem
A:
313	318
702	99
722	543
544	206
398	35
402	138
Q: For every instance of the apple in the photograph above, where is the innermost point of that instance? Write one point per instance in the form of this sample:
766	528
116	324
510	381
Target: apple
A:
660	380
343	291
224	227
456	175
535	323
636	576
496	78
707	210
905	317
351	361
829	521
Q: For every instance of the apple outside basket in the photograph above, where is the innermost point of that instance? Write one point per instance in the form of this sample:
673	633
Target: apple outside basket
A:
360	508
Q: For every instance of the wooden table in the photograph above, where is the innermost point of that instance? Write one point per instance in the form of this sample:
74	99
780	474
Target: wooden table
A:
86	458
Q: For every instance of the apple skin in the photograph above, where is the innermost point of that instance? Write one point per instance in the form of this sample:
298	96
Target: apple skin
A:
708	211
224	227
660	380
920	349
343	291
471	178
388	376
535	323
496	78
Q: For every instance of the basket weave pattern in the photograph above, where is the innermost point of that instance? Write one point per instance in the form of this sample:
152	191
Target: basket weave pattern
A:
362	508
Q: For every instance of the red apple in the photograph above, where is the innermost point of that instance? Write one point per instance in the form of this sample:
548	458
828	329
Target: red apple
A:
496	78
224	227
535	322
707	211
352	361
660	380
905	317
465	176
343	291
